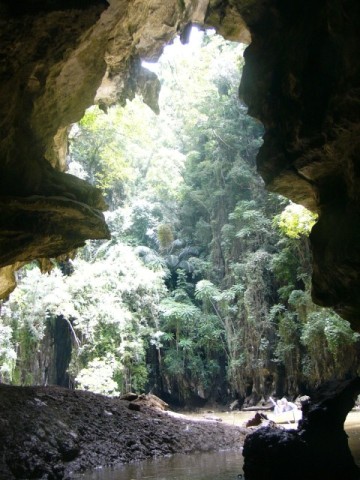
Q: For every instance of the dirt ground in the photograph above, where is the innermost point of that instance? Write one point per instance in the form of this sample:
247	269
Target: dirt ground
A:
53	433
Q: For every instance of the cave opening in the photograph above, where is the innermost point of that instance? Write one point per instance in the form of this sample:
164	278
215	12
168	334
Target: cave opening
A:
224	308
189	215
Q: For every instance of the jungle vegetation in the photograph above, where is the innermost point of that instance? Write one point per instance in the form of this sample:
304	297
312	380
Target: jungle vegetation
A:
203	291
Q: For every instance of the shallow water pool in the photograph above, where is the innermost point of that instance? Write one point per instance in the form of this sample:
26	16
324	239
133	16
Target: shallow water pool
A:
226	465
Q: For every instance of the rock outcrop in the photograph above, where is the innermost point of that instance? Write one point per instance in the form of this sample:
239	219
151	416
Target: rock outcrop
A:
301	79
318	449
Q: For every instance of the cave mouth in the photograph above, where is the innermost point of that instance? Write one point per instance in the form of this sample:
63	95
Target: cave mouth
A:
219	258
133	155
301	81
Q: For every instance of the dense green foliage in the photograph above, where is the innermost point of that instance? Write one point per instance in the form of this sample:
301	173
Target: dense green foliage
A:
111	304
204	288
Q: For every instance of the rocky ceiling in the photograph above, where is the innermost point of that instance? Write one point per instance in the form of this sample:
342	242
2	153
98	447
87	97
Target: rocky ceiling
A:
301	79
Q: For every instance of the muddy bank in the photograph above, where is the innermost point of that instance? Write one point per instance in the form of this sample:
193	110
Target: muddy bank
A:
53	433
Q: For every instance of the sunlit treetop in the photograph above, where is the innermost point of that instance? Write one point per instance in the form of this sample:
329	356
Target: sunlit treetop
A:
295	221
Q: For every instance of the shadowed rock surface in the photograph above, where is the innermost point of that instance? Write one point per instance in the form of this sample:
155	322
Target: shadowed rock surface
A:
317	449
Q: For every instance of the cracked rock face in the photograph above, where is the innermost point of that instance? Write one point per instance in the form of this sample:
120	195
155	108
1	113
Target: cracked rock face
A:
301	79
